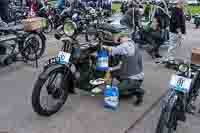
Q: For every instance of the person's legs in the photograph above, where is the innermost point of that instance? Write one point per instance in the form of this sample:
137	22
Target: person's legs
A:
4	13
154	46
173	44
132	87
156	51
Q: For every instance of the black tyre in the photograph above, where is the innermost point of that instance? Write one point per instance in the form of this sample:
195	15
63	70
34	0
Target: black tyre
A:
164	125
57	93
33	47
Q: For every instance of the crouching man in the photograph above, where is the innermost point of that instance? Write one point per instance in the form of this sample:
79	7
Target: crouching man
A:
130	69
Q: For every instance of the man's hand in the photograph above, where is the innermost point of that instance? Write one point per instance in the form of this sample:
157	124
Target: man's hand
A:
108	48
110	69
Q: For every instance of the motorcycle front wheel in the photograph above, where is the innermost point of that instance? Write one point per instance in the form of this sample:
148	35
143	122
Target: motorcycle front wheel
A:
167	122
57	93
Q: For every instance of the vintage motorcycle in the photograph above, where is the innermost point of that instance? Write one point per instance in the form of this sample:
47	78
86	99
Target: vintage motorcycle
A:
14	41
74	67
183	91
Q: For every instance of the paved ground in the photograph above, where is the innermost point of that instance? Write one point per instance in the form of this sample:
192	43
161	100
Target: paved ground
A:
82	113
148	124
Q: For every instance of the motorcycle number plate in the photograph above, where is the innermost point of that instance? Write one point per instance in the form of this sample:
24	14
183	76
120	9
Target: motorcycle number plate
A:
180	83
63	57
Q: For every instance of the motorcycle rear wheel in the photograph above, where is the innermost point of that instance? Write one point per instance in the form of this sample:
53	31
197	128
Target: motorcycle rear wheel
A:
33	45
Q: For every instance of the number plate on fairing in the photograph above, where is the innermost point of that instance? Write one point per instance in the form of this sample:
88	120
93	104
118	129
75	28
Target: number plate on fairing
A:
63	57
180	83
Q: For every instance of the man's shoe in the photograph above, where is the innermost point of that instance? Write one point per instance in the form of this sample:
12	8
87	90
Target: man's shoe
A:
138	101
158	56
139	93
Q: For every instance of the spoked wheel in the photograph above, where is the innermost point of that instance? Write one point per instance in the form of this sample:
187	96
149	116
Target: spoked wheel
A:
167	122
49	94
33	47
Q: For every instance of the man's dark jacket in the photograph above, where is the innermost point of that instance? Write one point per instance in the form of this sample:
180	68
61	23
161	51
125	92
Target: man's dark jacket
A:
4	10
177	21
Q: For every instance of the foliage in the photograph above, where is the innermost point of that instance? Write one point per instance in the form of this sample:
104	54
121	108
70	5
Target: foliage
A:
194	9
116	7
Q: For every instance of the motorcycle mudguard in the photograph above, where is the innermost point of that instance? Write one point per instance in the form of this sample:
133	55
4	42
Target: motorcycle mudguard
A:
171	104
55	67
41	34
50	68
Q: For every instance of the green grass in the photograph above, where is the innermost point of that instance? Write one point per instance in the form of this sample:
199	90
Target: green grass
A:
194	9
116	7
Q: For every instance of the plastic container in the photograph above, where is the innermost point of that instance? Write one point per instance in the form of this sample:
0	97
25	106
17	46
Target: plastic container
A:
111	97
102	61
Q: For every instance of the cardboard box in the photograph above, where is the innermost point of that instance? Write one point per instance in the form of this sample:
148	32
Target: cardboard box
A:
195	58
32	24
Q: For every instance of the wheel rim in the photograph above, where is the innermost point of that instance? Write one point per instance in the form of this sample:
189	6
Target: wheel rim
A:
34	46
54	93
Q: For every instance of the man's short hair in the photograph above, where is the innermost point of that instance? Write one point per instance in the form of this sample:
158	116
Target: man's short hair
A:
122	34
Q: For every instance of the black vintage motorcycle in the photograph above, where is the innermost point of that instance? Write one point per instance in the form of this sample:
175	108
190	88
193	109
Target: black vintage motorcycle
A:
184	89
14	41
74	67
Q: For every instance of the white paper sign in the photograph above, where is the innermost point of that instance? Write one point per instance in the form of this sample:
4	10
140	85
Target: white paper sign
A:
180	83
64	57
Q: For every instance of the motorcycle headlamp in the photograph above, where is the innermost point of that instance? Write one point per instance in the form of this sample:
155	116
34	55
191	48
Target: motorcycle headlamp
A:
69	28
183	68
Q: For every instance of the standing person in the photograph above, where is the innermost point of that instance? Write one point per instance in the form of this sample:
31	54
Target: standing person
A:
77	4
4	11
124	7
61	4
177	29
152	35
132	17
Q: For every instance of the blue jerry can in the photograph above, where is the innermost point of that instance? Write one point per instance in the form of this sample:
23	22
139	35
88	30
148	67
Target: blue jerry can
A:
102	63
111	97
